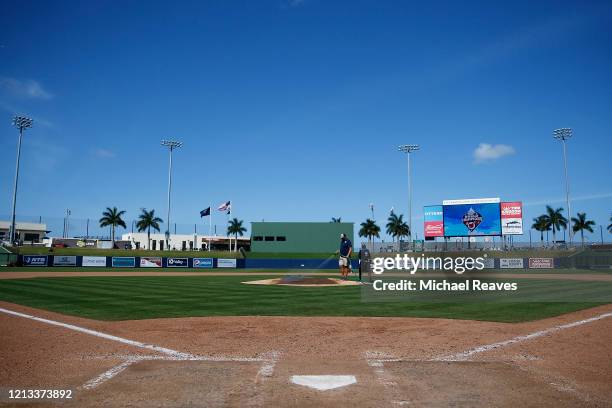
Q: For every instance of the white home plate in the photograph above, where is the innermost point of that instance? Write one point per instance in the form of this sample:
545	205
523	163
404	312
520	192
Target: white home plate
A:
323	382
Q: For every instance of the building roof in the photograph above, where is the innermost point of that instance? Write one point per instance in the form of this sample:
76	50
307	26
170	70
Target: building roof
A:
24	226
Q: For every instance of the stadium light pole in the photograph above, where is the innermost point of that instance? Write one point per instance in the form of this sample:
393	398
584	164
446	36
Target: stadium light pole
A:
171	145
564	134
409	148
22	123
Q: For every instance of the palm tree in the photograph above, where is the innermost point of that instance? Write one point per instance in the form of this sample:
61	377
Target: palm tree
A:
540	224
581	224
369	229
112	217
146	221
555	220
403	230
396	226
235	228
392	225
339	219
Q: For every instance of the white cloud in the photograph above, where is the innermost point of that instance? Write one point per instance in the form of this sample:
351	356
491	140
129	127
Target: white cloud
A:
28	88
104	153
486	151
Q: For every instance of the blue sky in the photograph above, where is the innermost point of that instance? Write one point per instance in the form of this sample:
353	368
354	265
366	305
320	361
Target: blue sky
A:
294	109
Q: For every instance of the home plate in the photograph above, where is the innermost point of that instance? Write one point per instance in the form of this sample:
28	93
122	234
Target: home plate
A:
323	382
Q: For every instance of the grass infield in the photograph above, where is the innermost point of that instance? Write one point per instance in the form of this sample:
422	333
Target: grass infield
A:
126	297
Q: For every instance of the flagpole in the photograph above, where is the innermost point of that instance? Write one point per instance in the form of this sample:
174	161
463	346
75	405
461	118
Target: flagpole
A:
209	224
227	225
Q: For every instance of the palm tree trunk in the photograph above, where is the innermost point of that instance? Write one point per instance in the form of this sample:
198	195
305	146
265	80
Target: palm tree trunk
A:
149	238
113	235
554	239
582	237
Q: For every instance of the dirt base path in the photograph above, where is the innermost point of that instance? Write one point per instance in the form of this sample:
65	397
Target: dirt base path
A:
250	361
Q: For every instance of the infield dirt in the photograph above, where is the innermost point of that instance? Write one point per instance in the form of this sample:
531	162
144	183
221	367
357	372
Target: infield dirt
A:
567	368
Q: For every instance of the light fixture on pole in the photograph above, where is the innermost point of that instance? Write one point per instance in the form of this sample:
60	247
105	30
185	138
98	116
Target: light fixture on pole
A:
171	145
22	123
564	134
409	148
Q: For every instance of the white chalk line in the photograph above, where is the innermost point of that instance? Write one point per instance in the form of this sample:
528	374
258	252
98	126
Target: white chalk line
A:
107	375
267	368
462	356
158	349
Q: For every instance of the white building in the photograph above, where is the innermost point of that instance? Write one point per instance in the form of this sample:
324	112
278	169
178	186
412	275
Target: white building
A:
26	232
183	242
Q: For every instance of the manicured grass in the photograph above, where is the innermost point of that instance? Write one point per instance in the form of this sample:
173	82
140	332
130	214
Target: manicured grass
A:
123	298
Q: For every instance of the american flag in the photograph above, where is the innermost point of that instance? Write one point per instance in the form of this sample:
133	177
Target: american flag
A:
227	206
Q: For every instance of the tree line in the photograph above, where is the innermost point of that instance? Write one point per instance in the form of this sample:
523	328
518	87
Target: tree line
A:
553	220
147	221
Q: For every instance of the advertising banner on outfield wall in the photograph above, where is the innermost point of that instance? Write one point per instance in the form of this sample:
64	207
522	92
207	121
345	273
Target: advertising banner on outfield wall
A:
64	260
178	262
202	262
512	218
123	262
95	261
226	263
433	221
150	262
35	260
511	263
541	263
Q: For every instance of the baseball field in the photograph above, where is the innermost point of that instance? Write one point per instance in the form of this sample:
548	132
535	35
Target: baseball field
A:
194	338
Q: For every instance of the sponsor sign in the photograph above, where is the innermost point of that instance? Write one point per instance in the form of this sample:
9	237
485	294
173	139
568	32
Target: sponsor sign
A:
63	260
433	221
226	263
511	263
35	260
150	262
489	263
512	218
178	262
95	261
472	220
202	262
124	262
541	263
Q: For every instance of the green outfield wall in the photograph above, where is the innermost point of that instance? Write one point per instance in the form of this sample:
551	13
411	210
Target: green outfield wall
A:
298	236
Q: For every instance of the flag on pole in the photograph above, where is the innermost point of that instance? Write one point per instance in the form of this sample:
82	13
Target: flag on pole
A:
205	212
227	206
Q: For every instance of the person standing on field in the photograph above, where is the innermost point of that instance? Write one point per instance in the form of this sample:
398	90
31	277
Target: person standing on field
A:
346	249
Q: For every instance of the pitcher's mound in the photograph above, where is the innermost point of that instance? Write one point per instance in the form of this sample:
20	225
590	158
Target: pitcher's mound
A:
299	280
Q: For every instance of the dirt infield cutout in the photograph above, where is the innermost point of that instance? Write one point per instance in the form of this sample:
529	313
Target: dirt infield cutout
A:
300	280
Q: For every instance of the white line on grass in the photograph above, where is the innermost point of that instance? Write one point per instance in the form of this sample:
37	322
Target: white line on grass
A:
481	349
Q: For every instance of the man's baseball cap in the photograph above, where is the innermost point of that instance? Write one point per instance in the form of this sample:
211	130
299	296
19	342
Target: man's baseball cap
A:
342	235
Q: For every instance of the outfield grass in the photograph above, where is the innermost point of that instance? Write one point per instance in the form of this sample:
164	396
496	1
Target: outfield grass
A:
124	298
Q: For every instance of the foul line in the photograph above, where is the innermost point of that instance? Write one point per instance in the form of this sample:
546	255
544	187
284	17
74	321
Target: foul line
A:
266	369
481	349
158	349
